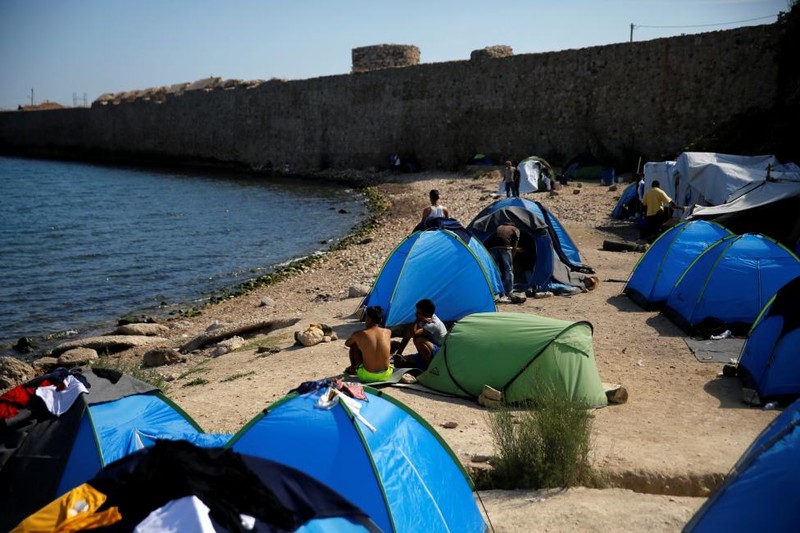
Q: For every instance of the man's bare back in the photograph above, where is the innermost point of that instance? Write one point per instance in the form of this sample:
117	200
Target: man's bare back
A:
374	343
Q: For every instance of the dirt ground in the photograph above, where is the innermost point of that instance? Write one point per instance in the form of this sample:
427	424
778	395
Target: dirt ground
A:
681	430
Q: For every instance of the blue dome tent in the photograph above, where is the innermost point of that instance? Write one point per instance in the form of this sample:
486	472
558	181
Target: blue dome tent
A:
770	360
43	456
460	278
656	272
727	285
628	203
549	259
760	492
378	454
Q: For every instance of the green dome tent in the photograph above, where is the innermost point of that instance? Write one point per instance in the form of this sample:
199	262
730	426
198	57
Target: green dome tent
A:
519	354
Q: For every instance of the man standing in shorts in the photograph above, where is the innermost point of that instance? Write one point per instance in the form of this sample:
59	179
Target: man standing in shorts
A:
369	349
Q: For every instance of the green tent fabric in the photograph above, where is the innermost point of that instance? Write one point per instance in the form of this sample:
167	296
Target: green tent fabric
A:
518	354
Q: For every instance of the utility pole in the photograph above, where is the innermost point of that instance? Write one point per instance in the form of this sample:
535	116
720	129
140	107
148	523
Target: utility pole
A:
31	95
632	26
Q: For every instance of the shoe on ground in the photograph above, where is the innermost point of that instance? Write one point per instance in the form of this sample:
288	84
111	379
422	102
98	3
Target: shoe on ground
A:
503	300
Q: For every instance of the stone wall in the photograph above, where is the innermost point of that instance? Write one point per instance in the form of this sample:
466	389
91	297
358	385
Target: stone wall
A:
646	98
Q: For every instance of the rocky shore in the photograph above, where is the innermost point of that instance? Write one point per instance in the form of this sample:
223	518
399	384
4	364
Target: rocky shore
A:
663	452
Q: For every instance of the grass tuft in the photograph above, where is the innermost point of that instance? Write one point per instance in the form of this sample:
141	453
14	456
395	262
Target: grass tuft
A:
544	446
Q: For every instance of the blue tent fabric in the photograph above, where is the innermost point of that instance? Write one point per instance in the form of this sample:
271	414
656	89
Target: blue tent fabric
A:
727	286
760	493
459	278
770	360
622	210
660	267
401	474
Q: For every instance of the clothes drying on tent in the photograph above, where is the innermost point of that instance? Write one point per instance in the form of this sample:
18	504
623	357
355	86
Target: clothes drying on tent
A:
43	456
660	267
519	354
177	486
459	277
760	492
770	359
727	285
379	454
548	260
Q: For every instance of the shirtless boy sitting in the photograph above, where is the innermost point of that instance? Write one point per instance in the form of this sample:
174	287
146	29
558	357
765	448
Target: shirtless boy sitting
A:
369	349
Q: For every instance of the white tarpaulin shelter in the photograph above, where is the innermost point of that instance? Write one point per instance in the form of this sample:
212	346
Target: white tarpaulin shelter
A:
707	178
531	176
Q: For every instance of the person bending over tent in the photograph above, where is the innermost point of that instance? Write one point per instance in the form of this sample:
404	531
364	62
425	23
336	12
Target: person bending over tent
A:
435	210
428	333
502	247
656	215
369	349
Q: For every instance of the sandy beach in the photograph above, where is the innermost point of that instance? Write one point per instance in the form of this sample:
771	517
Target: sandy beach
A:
663	452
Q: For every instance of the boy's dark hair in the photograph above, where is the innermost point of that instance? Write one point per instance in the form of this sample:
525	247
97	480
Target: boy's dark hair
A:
434	195
655	184
375	313
427	307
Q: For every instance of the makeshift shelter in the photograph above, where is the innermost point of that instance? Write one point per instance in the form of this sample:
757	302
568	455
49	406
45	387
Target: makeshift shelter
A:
727	285
177	486
549	259
767	207
481	160
760	492
583	166
521	355
535	174
378	453
660	267
770	360
44	455
459	277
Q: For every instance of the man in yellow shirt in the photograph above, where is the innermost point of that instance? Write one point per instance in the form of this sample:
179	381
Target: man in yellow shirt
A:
653	203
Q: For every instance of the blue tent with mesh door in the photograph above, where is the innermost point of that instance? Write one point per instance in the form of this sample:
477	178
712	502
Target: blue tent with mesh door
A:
656	272
760	492
548	258
459	277
727	286
43	456
770	359
379	454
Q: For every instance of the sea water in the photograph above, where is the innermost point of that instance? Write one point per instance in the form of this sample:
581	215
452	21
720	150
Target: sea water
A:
82	245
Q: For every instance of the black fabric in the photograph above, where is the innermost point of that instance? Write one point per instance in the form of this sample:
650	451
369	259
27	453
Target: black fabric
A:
36	453
787	305
450	224
230	484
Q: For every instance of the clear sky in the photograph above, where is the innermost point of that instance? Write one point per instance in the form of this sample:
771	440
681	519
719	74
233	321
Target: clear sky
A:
61	48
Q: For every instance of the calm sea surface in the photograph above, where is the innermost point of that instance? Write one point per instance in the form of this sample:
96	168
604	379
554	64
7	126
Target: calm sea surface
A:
82	245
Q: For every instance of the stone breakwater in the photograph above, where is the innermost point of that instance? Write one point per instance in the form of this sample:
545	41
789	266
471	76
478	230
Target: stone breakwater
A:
650	97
